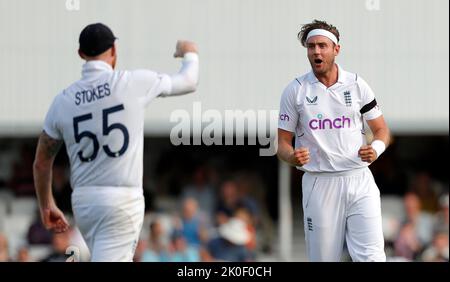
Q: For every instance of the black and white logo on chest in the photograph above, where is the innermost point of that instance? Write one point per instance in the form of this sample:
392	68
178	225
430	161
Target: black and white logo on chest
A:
348	98
311	100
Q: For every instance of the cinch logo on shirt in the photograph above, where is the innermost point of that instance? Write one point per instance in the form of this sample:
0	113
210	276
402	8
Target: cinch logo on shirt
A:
319	123
284	117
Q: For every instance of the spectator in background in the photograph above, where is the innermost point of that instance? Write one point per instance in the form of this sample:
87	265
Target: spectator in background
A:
193	223
181	251
230	244
421	222
253	199
229	202
438	251
407	245
201	190
422	186
37	233
157	250
442	215
23	255
21	181
140	249
248	183
60	243
243	214
4	248
416	231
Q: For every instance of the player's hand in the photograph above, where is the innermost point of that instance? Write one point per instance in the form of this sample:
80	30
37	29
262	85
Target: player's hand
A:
53	219
367	154
300	156
183	47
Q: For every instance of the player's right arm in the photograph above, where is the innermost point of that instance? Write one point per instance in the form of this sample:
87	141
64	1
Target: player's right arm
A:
286	152
287	124
46	151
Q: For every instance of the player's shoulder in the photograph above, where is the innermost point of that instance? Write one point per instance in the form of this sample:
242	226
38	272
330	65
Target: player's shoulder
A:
348	77
295	84
302	80
293	91
362	84
138	74
67	92
62	94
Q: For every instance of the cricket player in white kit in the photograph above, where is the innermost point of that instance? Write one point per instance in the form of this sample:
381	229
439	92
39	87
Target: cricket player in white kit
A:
326	109
100	118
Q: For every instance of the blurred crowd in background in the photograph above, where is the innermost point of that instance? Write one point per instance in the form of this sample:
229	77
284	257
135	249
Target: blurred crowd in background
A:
218	205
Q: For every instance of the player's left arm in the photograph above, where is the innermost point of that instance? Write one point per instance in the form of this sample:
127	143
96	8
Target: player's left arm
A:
381	139
153	84
186	79
46	151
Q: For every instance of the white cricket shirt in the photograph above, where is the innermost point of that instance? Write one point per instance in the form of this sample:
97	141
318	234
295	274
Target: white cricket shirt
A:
101	120
328	121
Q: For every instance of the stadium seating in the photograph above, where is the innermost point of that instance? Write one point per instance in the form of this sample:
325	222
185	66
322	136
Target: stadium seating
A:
392	212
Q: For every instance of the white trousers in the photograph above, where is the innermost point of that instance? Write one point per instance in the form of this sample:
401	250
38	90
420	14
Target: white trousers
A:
342	206
110	220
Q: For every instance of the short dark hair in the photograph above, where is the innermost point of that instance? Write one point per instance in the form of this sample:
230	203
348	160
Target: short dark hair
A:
316	24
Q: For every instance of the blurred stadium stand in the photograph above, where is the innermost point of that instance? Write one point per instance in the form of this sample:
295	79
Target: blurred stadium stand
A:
172	171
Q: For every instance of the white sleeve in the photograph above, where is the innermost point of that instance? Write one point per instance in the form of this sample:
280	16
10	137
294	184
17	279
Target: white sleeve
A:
369	108
149	84
50	124
288	116
186	79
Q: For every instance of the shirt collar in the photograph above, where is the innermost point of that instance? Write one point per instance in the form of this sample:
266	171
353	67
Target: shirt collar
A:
94	67
341	76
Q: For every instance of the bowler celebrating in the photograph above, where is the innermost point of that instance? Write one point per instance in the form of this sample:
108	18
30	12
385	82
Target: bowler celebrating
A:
326	109
100	118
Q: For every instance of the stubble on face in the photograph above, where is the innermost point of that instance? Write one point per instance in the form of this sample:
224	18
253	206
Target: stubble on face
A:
321	54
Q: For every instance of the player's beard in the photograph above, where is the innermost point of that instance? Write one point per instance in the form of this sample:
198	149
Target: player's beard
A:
325	67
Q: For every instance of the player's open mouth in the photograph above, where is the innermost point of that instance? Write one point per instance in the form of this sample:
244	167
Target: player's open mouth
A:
317	62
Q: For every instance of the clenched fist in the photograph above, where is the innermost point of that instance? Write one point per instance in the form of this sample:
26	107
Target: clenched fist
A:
367	154
300	156
183	47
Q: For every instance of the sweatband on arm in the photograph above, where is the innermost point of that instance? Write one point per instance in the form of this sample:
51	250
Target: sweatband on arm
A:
379	147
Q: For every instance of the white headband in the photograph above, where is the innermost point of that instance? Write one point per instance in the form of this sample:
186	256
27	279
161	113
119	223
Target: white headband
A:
322	32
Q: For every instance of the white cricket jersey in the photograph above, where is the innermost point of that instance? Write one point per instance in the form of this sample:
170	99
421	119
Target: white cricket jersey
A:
328	121
101	120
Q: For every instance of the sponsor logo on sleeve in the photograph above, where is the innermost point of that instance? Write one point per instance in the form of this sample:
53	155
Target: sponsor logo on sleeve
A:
284	117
